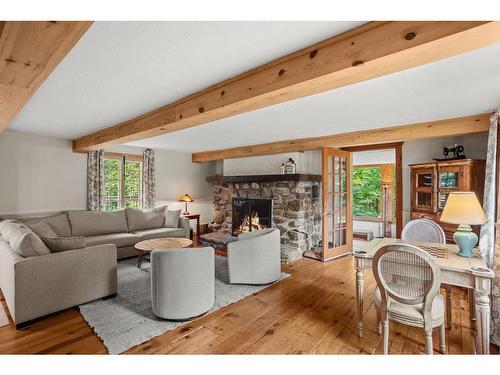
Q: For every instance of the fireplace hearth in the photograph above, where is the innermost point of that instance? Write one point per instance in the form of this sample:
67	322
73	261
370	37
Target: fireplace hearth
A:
251	214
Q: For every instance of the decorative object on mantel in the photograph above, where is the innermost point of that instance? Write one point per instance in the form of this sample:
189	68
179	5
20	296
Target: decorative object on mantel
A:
282	168
186	198
290	167
457	151
463	208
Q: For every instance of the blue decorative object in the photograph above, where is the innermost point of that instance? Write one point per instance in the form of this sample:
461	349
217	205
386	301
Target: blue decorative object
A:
466	239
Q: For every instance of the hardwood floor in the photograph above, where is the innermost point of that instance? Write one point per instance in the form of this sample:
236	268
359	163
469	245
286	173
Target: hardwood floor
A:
311	312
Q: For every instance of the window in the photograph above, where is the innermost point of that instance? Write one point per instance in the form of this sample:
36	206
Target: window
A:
122	181
367	192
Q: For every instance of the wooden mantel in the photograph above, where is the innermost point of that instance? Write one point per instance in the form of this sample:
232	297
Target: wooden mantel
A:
265	178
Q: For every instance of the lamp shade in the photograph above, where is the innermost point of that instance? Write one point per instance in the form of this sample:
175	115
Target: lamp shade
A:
186	198
463	208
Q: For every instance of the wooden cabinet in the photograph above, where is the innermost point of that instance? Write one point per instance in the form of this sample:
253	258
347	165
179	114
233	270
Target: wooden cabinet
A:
431	183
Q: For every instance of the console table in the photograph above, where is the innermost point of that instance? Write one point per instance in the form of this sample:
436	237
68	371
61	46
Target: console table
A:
469	273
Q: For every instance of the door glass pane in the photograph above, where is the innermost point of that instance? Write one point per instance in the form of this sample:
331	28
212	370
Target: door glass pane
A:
330	164
424	179
112	183
448	179
336	165
424	199
133	184
337	183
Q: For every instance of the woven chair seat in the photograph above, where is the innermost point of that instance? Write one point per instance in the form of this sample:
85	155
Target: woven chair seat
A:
412	314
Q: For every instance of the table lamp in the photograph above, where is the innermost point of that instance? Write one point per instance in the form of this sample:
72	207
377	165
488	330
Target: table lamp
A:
186	198
464	209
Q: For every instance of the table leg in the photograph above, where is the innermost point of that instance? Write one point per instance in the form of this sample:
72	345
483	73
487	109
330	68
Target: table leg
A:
448	306
139	260
360	288
483	314
472	311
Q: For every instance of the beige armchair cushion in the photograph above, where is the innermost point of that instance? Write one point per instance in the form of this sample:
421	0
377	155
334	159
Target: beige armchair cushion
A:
145	219
22	239
92	223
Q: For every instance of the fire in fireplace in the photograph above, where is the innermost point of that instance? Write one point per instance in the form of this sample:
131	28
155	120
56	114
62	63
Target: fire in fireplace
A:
251	214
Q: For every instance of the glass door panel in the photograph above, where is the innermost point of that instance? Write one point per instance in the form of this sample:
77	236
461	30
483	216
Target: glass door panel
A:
424	180
337	221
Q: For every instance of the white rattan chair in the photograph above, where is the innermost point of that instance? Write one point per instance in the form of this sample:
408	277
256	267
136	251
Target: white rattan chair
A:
407	292
423	230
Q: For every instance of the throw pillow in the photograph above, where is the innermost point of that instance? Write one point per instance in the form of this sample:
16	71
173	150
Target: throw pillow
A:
42	229
22	239
172	219
145	219
58	244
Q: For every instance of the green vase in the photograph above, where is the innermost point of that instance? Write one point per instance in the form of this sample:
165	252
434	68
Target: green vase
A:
466	239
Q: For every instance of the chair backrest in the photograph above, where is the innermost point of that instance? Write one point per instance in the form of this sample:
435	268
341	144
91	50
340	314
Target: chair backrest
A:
407	274
423	230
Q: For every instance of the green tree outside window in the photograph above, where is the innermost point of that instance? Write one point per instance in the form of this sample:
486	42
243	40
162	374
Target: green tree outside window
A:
367	192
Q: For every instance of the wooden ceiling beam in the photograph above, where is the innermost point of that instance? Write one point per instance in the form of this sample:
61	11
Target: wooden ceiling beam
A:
29	52
366	52
434	129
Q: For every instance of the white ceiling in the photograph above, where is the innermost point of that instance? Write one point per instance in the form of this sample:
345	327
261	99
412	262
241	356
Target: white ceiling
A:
122	69
119	70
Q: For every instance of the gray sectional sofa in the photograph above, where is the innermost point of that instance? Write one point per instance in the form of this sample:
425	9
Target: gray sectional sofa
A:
39	285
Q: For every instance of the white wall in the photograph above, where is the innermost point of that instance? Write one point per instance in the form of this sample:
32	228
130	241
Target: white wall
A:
307	162
374	157
40	174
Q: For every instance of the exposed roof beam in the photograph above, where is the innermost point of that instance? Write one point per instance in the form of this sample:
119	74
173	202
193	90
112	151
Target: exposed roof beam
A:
369	51
433	129
29	52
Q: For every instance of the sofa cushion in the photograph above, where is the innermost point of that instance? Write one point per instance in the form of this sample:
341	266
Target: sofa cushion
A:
22	239
42	229
147	234
58	244
172	219
118	239
145	219
59	223
93	223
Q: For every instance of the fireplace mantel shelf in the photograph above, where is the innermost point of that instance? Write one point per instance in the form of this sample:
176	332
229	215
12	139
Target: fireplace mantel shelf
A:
265	178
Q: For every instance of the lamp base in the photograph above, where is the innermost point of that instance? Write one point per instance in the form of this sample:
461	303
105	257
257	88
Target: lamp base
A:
466	239
185	213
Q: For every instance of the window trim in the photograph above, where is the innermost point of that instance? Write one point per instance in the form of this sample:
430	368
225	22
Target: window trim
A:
125	157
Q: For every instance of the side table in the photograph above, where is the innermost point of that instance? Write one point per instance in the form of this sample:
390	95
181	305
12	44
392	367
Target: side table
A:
192	217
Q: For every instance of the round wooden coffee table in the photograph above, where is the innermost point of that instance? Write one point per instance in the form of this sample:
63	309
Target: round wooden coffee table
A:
147	246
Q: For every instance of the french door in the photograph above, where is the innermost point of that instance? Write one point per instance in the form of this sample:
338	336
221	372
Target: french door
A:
337	209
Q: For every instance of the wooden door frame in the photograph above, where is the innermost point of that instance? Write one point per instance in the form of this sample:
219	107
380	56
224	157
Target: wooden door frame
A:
325	154
398	148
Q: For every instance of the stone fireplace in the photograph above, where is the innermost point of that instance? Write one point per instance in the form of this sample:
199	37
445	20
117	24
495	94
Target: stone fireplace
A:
294	201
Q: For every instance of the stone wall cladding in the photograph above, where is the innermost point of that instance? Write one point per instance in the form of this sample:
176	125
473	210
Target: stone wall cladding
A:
295	212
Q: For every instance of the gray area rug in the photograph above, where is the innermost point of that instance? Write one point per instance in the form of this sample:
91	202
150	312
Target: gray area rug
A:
128	320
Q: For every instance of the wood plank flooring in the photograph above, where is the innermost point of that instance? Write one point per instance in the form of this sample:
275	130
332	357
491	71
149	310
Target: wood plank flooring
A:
311	312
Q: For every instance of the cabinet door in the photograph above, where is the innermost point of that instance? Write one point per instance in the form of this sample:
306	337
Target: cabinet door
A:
423	189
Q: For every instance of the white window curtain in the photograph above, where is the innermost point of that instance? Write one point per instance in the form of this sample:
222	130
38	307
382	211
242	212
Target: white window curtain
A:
95	181
489	244
148	179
